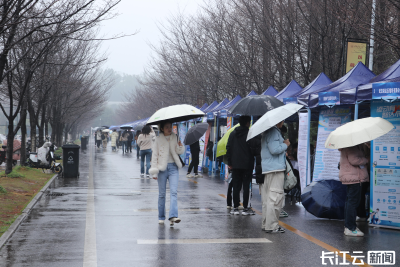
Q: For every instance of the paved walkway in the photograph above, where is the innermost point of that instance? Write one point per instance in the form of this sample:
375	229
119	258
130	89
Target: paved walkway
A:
108	217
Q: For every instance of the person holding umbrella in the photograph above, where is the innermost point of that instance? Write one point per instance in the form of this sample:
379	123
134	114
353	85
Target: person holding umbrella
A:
114	138
165	165
241	162
348	139
192	138
353	172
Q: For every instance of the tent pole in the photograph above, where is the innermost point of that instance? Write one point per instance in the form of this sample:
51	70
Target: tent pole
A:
356	111
308	143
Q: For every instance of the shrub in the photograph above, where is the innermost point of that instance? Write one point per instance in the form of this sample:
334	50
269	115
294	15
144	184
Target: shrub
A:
2	190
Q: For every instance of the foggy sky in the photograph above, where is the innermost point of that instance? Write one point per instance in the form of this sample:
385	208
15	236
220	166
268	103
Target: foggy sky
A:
131	54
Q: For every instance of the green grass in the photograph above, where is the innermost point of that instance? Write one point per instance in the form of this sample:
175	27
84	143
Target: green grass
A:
12	174
58	152
2	190
77	142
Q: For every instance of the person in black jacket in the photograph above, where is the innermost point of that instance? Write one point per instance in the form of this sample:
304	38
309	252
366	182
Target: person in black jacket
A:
194	164
241	162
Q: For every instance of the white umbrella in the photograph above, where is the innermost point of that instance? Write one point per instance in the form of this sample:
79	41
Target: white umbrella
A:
272	118
106	131
358	132
175	113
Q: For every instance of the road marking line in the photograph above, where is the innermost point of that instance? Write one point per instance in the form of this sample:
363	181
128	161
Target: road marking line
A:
312	239
203	241
90	250
192	209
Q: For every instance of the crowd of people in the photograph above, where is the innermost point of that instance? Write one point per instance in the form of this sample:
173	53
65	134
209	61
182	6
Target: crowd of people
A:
265	157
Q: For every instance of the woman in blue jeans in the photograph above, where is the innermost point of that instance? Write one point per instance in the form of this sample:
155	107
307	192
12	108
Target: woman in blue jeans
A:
145	141
165	165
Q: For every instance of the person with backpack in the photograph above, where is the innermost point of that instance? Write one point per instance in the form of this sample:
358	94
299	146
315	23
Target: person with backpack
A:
273	163
124	140
104	138
98	138
129	142
241	162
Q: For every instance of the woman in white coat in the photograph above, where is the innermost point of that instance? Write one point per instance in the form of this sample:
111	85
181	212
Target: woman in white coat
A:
165	165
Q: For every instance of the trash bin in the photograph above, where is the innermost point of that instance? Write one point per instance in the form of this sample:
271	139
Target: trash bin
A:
71	160
84	142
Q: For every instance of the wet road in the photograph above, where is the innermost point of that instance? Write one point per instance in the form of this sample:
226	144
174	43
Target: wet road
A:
108	217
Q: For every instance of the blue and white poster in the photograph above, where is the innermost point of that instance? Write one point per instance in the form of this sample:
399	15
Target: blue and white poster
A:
386	90
182	135
326	160
385	168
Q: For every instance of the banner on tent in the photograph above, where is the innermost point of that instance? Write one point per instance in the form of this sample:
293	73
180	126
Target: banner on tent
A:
175	129
224	113
328	98
386	90
356	52
326	160
210	116
385	169
302	150
188	157
203	146
289	100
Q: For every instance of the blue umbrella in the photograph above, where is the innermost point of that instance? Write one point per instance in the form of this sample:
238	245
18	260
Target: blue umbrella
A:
325	199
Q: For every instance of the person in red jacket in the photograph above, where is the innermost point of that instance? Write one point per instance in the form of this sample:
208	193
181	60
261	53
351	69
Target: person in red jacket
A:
353	172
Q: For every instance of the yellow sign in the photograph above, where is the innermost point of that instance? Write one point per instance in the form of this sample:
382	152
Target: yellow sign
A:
356	52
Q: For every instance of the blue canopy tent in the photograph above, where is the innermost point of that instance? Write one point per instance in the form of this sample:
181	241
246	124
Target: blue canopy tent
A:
364	92
290	90
220	106
270	91
210	107
252	93
204	107
359	75
321	81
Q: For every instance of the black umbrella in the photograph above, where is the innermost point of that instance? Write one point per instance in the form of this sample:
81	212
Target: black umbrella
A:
255	105
106	127
325	199
126	127
195	133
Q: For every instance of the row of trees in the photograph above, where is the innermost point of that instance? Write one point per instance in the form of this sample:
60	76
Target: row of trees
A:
231	47
50	67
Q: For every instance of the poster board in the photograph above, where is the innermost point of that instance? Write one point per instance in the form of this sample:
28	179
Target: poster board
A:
326	160
182	134
302	150
356	52
385	168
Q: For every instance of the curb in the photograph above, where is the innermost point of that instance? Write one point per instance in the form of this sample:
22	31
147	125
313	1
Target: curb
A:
13	227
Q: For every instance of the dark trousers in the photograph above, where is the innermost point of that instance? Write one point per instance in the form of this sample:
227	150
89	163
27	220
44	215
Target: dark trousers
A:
350	208
241	178
129	146
98	143
229	194
362	211
194	163
137	151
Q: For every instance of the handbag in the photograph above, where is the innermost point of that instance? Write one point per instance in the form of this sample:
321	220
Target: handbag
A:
290	178
182	162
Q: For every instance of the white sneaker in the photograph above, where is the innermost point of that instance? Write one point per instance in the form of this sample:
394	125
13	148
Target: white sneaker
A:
356	232
160	221
148	175
229	207
174	220
142	175
189	175
198	176
240	207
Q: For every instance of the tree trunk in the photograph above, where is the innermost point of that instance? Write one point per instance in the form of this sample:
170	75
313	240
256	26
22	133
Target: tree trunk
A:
23	134
33	132
10	145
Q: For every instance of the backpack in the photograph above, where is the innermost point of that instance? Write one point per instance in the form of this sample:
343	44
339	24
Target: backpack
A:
103	136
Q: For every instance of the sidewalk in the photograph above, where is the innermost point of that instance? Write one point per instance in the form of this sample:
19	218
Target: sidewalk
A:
108	217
